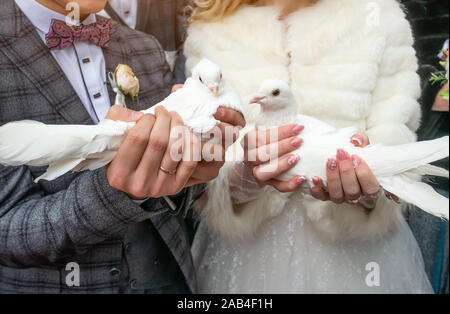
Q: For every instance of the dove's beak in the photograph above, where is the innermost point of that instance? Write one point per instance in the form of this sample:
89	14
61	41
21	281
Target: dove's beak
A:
256	99
214	90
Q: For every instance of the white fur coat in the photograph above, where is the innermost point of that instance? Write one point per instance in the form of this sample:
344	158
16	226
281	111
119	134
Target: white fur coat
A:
349	62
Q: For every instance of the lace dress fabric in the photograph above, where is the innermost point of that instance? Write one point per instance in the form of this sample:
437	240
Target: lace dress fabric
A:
288	255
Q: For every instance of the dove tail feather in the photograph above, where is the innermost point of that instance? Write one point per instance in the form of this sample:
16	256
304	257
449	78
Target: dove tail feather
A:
417	193
413	157
430	170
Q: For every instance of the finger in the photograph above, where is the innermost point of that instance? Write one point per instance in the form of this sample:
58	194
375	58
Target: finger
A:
289	186
265	137
230	116
318	191
360	140
230	134
176	87
207	171
273	151
157	145
367	180
119	113
350	183
133	147
191	157
174	151
274	169
335	190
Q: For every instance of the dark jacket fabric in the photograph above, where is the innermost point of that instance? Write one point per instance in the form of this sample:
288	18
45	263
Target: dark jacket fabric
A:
167	21
79	218
430	22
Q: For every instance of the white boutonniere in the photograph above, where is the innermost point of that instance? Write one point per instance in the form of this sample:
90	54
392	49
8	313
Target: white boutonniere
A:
124	83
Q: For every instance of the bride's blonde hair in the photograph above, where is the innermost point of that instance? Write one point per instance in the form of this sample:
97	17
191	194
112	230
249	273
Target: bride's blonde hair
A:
210	10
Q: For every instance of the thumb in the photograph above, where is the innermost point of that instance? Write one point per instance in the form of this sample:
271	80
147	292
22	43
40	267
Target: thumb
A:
119	113
360	140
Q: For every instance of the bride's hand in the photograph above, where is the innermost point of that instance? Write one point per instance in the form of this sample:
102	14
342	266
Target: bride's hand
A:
349	179
257	144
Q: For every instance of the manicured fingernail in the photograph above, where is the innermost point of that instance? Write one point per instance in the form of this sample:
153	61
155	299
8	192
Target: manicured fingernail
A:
332	164
356	141
316	181
298	128
296	142
292	160
220	113
301	180
341	155
356	161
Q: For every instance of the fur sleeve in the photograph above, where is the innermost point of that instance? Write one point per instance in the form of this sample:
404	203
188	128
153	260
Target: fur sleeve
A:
220	213
393	119
395	113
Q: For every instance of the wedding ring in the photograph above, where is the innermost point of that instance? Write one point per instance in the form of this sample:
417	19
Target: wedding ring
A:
171	173
355	201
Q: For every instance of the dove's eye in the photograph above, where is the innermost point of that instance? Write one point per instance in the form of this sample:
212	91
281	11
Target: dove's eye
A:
200	79
276	93
221	76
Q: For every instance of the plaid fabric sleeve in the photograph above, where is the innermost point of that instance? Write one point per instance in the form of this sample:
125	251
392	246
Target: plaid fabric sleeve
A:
38	229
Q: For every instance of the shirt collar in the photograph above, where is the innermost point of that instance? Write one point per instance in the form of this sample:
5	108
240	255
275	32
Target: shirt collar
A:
41	16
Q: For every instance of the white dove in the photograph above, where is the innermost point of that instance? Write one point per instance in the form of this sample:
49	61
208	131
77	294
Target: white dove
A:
76	148
392	165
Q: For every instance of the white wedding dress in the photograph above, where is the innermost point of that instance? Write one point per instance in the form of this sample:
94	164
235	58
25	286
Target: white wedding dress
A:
343	71
287	255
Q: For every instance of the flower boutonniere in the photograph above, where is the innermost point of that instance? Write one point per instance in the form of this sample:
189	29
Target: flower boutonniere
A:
124	83
442	78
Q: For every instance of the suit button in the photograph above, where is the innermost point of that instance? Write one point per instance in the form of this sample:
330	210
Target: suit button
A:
156	262
114	271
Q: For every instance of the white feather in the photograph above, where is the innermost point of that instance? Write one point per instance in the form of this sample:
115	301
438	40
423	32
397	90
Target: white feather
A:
392	165
67	148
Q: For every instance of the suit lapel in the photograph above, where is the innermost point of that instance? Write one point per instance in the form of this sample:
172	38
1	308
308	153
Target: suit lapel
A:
116	53
27	51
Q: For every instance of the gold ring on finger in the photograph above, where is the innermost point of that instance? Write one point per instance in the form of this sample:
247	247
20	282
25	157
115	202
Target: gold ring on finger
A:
169	172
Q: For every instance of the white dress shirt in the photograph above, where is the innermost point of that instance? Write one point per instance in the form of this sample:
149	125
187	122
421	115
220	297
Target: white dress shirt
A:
127	10
83	63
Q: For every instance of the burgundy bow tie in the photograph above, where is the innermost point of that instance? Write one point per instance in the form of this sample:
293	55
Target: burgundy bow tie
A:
62	35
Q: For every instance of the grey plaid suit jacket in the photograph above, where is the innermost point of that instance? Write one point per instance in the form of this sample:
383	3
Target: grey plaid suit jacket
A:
78	217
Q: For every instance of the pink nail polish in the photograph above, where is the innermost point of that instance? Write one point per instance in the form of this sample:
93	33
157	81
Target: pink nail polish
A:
293	160
341	155
298	128
316	181
220	113
296	142
301	180
356	141
332	164
356	161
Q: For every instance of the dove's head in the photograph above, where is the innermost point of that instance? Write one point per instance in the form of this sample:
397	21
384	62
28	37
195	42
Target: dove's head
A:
275	95
209	74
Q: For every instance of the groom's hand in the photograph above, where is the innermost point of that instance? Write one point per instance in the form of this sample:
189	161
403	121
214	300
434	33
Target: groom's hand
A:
144	166
232	122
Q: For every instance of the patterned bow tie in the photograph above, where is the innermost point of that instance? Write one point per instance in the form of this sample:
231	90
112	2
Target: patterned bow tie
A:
62	35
